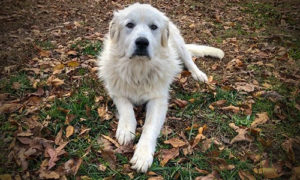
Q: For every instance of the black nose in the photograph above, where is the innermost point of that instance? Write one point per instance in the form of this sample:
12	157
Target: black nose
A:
141	42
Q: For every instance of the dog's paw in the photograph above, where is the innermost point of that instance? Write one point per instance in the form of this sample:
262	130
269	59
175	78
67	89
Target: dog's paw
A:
219	53
199	75
142	159
125	134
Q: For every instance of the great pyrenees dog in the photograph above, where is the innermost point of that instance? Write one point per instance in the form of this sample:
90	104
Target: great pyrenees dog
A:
142	54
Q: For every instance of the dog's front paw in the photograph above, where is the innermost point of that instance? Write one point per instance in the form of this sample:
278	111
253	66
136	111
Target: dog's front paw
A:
219	53
125	133
142	159
199	76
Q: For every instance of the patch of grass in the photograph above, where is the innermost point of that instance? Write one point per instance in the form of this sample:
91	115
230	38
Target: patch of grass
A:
46	45
87	47
263	13
21	79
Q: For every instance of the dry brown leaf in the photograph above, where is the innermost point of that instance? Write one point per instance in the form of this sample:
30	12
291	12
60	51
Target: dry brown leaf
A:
84	130
181	103
101	167
44	53
9	107
52	81
103	114
246	175
269	172
166	130
110	157
296	173
167	154
53	157
25	133
234	63
111	140
156	178
231	108
69	118
219	103
242	134
201	171
74	53
242	86
212	176
287	146
175	142
58	137
69	131
16	85
261	119
44	174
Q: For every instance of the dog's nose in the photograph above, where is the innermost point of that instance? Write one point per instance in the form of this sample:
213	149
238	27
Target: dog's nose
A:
141	42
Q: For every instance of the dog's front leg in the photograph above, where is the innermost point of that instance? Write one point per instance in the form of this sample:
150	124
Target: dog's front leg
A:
127	123
155	116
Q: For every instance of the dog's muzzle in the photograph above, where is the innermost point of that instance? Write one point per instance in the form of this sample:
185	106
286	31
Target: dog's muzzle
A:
141	49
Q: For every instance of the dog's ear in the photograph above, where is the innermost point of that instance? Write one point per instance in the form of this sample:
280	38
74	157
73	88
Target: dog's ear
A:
114	28
165	35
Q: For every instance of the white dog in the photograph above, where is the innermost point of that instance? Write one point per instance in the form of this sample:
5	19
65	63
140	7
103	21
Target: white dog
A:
140	59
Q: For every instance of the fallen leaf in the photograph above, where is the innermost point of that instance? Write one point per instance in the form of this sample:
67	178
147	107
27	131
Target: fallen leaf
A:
54	81
84	130
101	167
231	108
26	133
175	142
111	140
9	107
58	137
260	119
267	172
69	118
73	64
110	157
167	154
219	103
242	86
16	85
287	146
201	171
103	114
53	157
5	177
246	175
212	176
69	131
58	67
44	53
296	173
156	178
200	135
49	175
234	63
74	53
181	103
242	134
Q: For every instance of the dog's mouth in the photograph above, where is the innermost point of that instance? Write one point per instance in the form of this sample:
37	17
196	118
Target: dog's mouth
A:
140	53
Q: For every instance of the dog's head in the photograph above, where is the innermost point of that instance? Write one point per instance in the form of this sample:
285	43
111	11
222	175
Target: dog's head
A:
139	31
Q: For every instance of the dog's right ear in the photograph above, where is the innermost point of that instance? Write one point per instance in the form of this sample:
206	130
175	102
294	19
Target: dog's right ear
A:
114	28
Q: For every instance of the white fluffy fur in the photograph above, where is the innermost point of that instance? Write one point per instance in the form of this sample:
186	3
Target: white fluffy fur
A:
139	79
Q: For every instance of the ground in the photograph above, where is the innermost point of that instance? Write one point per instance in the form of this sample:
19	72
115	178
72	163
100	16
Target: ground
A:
57	120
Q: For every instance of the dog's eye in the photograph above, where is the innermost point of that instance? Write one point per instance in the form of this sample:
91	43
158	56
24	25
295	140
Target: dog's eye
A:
130	25
153	27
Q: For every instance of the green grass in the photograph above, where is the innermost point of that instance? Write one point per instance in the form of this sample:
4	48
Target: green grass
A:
46	45
87	47
6	84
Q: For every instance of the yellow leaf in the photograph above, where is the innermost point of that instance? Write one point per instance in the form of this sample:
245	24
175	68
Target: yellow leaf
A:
73	64
5	177
267	172
69	131
58	67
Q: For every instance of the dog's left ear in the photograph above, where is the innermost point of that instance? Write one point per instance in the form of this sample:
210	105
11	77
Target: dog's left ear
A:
114	28
165	35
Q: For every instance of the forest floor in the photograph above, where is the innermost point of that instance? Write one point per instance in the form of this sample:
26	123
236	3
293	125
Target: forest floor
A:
57	121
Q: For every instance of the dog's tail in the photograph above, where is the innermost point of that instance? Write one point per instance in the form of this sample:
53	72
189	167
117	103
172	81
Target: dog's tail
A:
201	51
